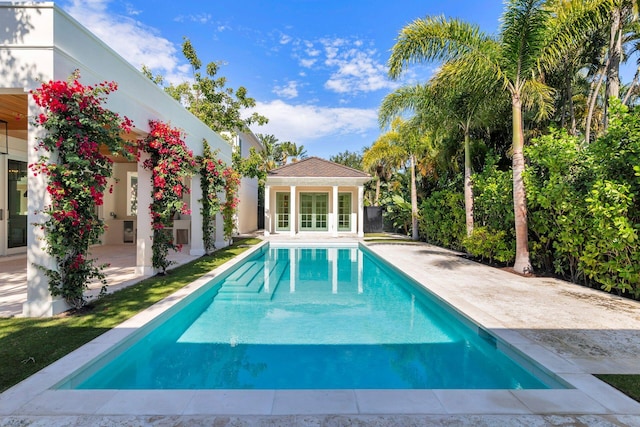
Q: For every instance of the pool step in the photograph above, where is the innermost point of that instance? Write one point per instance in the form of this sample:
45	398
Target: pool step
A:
253	289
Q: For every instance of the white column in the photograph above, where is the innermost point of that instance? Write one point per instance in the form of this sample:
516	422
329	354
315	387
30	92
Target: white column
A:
360	211
267	210
293	212
144	253
335	211
39	302
197	239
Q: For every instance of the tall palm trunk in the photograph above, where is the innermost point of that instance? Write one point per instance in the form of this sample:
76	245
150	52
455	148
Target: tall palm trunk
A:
572	112
522	263
414	200
468	185
615	56
592	102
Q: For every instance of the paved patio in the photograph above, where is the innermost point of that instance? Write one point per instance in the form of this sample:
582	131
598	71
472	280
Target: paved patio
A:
120	273
571	331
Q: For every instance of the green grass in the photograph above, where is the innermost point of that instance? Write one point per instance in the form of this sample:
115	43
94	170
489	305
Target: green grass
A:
28	345
628	384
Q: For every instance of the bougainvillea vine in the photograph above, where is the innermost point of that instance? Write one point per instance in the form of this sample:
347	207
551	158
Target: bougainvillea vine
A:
77	127
170	162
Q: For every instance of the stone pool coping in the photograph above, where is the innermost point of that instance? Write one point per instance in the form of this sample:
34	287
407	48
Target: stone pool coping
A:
459	282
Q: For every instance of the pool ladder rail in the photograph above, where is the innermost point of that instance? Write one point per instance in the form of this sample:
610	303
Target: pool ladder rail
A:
247	283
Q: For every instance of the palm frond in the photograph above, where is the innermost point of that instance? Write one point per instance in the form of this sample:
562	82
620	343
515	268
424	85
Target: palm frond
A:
433	38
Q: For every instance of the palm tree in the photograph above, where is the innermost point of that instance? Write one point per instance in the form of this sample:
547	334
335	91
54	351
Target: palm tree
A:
529	43
440	104
400	145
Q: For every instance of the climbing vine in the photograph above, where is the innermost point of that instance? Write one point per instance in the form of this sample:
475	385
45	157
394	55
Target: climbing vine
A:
170	161
212	182
230	206
77	126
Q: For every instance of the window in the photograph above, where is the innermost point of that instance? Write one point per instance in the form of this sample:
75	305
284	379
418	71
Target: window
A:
132	193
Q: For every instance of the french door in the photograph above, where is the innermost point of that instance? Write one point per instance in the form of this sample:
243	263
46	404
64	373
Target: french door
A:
314	210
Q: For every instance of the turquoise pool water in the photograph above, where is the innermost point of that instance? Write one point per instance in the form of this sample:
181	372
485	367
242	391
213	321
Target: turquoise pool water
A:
311	318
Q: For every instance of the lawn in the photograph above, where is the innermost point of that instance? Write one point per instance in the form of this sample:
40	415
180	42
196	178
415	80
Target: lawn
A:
29	344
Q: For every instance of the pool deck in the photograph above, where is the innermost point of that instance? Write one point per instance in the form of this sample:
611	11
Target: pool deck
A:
571	331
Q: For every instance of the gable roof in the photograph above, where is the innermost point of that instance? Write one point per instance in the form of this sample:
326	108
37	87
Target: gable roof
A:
315	167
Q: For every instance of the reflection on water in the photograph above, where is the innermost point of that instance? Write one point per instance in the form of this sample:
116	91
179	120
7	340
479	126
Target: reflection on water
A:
304	318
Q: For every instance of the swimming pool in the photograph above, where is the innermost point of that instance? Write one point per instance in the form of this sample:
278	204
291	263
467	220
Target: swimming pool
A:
311	318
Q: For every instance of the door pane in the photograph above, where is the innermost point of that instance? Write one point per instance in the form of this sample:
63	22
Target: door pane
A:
321	211
306	211
344	212
17	207
282	211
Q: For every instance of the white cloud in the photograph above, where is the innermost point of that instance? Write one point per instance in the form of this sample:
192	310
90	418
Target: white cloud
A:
306	124
289	91
285	39
352	67
201	18
137	43
307	63
356	70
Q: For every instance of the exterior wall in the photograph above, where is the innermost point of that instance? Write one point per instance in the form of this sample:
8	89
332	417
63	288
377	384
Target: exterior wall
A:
247	220
42	43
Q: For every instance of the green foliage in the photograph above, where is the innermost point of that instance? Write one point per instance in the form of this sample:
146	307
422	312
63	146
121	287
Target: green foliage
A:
556	178
491	245
397	212
442	218
211	182
584	211
349	159
208	97
493	197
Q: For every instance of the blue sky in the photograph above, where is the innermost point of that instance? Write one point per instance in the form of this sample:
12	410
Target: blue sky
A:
315	67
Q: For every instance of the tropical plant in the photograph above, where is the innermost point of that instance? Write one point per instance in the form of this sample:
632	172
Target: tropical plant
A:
77	126
212	182
230	205
531	40
402	144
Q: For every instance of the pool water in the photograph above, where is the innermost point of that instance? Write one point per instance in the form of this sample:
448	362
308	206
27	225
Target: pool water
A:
312	318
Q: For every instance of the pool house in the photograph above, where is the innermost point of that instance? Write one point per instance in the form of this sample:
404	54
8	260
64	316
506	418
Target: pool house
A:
315	195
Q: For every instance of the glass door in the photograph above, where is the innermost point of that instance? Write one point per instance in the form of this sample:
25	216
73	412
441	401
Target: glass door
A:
282	211
344	212
314	211
17	204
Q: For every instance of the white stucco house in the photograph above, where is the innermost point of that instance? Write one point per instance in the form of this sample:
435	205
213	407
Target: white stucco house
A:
40	42
314	195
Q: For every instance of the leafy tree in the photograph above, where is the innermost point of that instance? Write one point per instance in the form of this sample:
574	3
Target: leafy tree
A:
348	158
208	97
